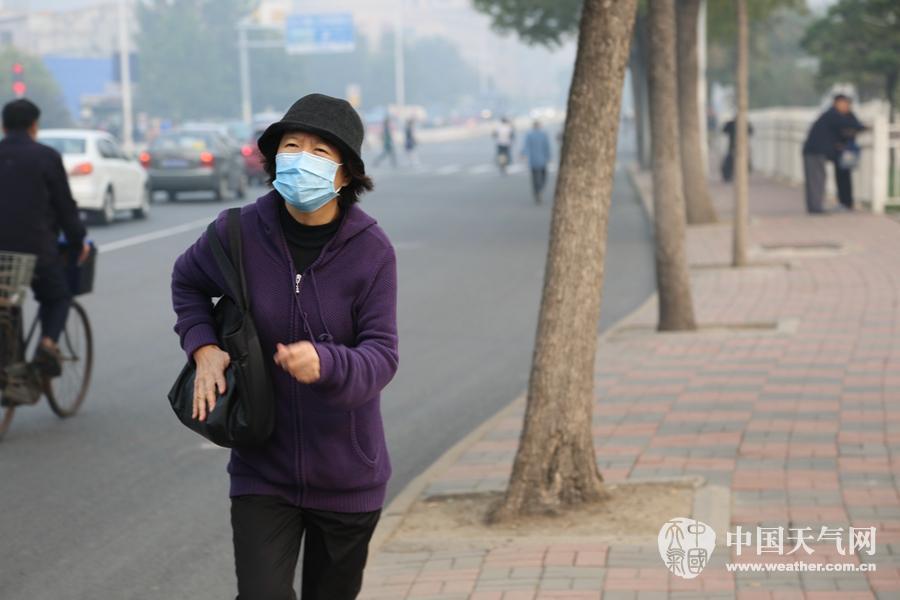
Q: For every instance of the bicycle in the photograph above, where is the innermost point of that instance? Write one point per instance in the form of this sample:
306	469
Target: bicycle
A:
20	383
503	158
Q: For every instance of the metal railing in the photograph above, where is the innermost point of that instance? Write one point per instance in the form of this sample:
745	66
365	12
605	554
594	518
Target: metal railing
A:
776	149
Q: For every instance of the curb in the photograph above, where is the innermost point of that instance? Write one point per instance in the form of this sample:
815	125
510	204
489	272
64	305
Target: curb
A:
392	516
645	195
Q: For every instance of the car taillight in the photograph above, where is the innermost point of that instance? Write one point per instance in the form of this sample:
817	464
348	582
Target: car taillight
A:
82	169
246	150
207	159
145	159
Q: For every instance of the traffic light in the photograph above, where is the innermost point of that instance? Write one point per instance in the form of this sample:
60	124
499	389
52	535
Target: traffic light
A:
18	86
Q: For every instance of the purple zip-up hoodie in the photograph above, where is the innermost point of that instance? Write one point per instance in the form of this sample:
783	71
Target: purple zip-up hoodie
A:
328	449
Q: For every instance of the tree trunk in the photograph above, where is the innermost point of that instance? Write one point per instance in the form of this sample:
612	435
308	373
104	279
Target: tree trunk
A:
741	166
555	465
676	310
639	91
696	194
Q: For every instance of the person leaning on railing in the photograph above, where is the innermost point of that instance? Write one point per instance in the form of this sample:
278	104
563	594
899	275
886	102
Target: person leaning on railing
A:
828	137
35	205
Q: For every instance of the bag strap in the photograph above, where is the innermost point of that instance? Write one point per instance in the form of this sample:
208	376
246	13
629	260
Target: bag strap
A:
237	249
233	280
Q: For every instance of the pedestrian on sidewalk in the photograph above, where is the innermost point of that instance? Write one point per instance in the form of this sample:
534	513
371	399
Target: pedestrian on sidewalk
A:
410	142
828	137
387	140
728	162
322	284
536	147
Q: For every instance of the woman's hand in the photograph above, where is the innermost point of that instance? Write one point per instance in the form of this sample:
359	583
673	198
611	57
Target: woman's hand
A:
210	376
300	360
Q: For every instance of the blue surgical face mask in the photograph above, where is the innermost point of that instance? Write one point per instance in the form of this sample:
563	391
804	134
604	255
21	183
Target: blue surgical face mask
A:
304	180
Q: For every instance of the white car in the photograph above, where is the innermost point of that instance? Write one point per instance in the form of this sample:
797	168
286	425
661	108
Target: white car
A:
102	177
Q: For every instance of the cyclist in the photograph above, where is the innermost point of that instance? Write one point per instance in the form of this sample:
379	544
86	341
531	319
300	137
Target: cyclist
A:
35	205
504	136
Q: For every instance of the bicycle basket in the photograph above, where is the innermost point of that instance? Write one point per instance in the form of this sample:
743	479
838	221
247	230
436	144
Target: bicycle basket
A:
16	271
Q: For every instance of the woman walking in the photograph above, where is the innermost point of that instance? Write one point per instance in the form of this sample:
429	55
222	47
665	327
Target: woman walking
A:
322	288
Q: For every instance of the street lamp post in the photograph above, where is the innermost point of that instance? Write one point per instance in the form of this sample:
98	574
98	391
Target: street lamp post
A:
125	80
244	47
399	59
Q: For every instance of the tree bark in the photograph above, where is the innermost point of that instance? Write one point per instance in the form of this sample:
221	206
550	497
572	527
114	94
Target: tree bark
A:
741	166
676	309
555	466
696	193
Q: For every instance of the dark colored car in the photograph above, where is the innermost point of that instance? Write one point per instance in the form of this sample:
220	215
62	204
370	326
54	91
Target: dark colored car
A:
253	161
192	161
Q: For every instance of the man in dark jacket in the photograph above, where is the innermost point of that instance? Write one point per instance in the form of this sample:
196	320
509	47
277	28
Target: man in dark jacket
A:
35	205
827	138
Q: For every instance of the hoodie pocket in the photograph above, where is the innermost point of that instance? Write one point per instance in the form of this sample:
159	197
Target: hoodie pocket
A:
337	458
371	446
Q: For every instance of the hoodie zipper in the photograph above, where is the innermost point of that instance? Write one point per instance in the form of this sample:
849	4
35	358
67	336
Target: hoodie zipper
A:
295	401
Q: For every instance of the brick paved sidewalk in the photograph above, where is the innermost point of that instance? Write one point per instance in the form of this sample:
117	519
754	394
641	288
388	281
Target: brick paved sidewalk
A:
789	399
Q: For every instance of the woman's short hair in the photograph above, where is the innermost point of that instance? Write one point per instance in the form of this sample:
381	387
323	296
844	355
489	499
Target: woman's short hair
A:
359	183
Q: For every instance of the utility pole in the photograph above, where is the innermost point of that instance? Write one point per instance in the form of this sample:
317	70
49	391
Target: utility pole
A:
399	60
125	80
244	47
244	66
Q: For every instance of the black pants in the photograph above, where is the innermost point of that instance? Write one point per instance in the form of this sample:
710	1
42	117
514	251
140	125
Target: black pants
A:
267	532
52	292
844	182
538	179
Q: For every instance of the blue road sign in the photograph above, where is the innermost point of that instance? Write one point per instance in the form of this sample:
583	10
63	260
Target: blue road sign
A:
312	34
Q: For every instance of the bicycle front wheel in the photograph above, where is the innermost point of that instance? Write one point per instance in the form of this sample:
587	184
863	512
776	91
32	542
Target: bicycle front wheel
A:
66	393
6	417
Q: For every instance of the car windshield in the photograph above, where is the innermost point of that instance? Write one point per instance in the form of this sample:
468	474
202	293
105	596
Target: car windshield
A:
65	145
183	141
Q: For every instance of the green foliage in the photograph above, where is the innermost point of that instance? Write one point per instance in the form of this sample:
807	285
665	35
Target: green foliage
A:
42	87
781	73
543	22
722	19
188	60
187	53
859	41
436	73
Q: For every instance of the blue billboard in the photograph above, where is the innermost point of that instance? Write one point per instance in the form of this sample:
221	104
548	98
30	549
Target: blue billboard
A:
319	33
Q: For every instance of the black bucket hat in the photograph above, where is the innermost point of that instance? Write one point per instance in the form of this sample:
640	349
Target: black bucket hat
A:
331	118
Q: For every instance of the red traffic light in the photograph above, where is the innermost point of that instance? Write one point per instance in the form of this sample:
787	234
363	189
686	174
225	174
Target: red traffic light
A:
18	69
19	88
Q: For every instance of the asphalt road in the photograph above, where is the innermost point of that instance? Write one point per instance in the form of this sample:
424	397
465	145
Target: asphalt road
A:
122	502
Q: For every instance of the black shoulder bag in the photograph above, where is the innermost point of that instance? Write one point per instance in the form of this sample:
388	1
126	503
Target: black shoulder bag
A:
245	414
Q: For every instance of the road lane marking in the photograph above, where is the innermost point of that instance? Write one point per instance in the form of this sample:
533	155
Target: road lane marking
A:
479	169
190	226
448	170
151	236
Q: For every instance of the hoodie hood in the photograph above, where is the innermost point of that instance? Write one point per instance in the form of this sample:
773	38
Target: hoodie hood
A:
354	221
